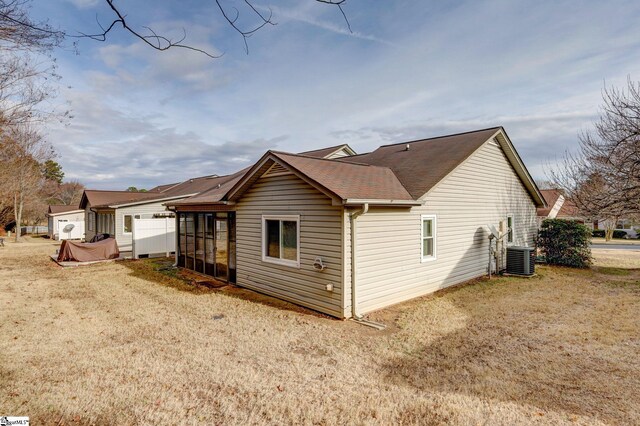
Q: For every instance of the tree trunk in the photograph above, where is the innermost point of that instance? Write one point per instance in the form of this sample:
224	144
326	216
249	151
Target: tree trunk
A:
18	204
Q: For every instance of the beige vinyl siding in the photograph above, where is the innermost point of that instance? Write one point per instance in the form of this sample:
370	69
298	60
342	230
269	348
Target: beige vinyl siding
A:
144	210
338	154
320	236
483	190
89	233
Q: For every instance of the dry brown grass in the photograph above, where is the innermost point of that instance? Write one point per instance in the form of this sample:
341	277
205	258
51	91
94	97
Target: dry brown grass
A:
120	343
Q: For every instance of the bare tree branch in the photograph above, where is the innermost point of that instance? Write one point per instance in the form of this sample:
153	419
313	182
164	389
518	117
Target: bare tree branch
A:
157	42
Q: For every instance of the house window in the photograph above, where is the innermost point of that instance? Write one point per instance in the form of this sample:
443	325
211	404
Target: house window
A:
428	237
281	240
510	229
127	224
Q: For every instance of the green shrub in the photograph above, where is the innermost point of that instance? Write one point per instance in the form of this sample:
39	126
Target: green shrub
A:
564	242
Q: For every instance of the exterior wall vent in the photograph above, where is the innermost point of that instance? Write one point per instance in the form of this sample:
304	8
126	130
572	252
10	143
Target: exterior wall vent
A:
521	260
276	170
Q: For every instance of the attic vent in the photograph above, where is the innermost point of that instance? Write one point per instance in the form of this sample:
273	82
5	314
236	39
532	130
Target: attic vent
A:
276	170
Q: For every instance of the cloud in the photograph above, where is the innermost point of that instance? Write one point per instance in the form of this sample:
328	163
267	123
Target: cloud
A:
107	148
540	139
84	4
300	15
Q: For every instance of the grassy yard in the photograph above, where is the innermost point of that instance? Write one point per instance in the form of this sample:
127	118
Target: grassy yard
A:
616	241
122	343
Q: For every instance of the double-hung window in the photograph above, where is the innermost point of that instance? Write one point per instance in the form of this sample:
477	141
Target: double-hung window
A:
281	239
428	237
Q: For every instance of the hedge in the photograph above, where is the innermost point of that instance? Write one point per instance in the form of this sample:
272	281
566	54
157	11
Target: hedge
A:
564	242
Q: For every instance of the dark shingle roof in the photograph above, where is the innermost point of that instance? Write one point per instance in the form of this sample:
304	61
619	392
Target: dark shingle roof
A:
215	193
99	198
427	161
348	180
61	208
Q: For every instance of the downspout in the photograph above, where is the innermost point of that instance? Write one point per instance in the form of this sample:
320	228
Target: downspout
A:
355	316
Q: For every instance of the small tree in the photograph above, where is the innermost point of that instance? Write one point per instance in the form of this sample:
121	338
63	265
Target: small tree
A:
565	243
22	152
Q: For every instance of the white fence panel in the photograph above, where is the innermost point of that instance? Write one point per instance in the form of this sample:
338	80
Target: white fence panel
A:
76	233
154	236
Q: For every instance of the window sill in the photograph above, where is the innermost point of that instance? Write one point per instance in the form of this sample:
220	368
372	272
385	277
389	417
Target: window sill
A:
281	262
428	259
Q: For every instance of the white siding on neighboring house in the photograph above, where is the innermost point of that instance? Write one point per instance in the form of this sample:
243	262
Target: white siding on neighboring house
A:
321	226
145	211
55	224
483	190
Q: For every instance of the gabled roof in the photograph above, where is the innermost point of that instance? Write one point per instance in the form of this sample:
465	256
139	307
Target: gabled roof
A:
115	199
566	207
421	164
55	209
398	174
100	198
329	152
344	182
426	161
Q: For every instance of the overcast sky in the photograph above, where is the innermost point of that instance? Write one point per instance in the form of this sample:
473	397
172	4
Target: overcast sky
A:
411	69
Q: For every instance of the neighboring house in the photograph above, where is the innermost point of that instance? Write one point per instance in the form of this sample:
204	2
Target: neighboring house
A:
112	212
59	216
349	235
558	207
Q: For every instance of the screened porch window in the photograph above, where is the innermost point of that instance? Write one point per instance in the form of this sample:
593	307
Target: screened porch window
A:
281	240
428	238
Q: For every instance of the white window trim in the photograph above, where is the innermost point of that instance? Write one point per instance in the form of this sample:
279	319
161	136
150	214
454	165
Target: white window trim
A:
513	229
434	218
284	262
123	224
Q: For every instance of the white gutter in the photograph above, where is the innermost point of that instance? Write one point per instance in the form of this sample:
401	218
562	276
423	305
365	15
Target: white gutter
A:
354	300
63	213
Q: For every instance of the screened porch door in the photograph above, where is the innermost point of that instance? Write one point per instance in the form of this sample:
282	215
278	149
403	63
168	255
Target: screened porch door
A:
205	244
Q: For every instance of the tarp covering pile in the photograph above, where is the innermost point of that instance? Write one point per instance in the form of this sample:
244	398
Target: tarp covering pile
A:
71	251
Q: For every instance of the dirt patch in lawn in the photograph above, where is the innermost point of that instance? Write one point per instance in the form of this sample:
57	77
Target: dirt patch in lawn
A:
126	343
